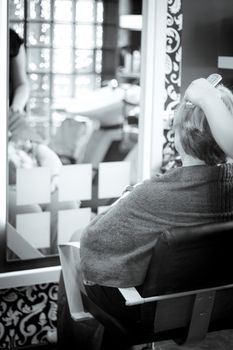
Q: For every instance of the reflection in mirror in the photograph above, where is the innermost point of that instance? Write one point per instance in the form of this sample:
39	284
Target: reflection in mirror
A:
76	134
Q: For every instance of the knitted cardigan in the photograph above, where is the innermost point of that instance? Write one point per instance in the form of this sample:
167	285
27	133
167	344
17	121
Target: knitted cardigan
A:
116	246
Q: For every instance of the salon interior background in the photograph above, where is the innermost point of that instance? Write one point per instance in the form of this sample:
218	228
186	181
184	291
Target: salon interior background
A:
28	313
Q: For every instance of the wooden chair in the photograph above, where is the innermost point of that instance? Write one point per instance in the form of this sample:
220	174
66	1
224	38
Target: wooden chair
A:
187	292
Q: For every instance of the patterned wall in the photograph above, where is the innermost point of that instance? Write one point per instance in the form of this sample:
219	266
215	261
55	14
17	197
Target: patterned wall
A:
172	80
28	314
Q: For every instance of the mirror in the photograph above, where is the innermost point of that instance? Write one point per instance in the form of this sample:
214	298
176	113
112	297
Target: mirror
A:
78	132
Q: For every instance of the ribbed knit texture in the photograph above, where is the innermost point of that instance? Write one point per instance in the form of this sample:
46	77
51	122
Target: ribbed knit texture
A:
116	247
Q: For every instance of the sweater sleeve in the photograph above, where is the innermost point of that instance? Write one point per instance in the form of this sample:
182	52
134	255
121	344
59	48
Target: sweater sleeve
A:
116	247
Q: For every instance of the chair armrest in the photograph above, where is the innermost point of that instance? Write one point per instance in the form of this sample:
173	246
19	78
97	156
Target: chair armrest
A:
70	263
132	296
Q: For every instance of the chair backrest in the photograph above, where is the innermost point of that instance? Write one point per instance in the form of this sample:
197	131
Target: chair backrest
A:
186	259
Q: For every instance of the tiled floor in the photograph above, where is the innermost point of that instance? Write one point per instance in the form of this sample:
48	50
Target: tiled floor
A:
222	340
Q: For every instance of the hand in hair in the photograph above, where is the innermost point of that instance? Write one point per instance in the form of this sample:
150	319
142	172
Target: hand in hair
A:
199	91
220	117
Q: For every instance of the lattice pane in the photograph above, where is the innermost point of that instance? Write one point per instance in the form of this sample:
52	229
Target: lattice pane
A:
34	228
70	221
32	186
75	182
113	178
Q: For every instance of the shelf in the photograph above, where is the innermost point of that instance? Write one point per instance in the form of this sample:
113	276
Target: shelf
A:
225	62
129	75
131	22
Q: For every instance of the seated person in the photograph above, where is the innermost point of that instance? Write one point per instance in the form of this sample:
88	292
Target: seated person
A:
26	149
116	246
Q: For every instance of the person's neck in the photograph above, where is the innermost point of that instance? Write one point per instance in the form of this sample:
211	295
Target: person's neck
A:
190	161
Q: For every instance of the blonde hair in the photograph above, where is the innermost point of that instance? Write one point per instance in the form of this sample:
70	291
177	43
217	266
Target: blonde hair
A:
194	131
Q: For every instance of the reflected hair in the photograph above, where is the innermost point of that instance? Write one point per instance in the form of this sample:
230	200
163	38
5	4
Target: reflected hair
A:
194	132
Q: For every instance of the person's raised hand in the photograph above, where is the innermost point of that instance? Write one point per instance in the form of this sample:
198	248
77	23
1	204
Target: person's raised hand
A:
199	91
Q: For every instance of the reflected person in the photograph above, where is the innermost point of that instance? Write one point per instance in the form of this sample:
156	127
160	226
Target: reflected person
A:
26	148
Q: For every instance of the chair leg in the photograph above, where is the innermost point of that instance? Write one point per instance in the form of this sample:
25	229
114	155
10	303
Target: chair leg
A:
97	340
201	315
110	341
